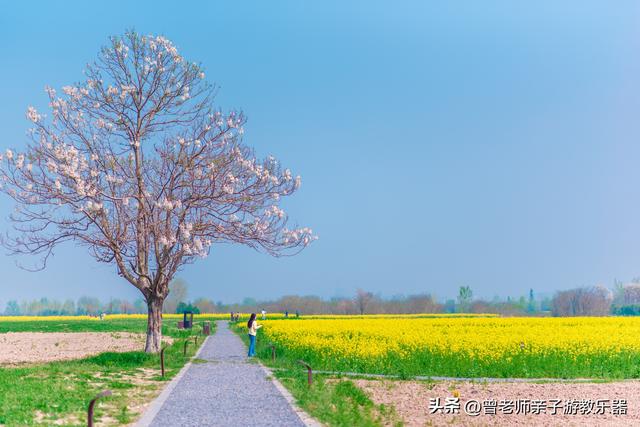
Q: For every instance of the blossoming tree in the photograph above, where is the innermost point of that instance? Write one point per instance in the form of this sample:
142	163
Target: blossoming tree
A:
137	165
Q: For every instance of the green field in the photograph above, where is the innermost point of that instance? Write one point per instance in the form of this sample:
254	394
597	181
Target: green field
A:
61	391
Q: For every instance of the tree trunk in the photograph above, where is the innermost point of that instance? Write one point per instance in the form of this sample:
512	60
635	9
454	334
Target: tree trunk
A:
154	325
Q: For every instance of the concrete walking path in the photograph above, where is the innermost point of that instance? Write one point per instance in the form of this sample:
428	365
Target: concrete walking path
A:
227	390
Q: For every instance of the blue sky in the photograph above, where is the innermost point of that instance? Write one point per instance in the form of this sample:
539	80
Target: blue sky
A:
489	144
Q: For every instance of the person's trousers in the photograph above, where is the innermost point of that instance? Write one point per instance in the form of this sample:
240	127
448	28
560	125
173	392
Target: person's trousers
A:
252	345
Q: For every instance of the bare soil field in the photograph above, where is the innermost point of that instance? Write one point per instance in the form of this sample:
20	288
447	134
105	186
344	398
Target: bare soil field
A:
411	401
38	347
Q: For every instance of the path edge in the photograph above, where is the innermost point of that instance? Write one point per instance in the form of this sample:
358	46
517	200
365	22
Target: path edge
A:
306	419
155	405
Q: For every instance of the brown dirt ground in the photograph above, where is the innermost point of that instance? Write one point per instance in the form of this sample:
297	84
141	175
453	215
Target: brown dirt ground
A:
411	401
38	347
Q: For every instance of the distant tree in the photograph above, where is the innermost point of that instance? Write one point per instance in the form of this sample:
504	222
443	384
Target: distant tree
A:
42	307
480	306
626	310
423	303
205	305
88	306
49	307
249	302
126	307
114	306
289	303
588	301
345	306
178	291
618	291
531	306
140	306
68	308
362	300
183	307
450	306
465	294
311	304
12	309
546	304
631	294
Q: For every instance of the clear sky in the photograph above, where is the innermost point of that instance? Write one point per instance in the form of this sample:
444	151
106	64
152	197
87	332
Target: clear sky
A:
489	144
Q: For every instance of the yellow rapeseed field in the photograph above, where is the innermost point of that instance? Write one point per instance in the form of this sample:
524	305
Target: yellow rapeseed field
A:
488	346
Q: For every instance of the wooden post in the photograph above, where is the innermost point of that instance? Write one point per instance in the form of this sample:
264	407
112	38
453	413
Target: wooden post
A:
92	404
309	373
162	360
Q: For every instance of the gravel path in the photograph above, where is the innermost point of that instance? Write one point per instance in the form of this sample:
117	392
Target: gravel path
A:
227	390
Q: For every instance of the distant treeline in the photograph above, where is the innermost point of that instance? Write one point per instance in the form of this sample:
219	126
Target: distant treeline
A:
624	300
82	307
362	303
585	301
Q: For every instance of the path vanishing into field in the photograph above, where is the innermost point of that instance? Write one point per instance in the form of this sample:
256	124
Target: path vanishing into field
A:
222	389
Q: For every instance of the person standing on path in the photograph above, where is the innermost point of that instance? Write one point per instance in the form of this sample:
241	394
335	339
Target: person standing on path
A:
253	327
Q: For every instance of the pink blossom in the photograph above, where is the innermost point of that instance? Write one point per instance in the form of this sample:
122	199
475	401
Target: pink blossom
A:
20	161
33	115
